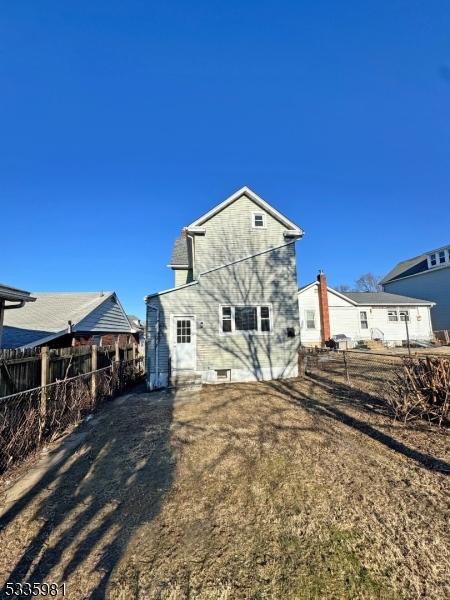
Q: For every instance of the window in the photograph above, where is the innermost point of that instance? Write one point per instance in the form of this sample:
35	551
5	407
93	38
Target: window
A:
226	319
433	260
245	318
392	315
265	318
259	220
363	319
183	332
404	315
310	319
442	256
256	319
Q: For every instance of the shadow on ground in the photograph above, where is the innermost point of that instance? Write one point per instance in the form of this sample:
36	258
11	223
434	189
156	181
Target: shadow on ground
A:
83	513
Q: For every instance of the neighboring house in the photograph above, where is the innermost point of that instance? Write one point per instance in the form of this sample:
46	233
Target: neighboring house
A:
325	313
10	299
233	313
62	319
425	276
137	327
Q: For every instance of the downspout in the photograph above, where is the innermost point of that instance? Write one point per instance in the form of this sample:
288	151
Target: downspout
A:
149	306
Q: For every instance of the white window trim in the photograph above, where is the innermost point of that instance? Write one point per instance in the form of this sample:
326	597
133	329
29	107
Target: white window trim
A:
366	312
306	319
264	225
397	311
235	331
435	255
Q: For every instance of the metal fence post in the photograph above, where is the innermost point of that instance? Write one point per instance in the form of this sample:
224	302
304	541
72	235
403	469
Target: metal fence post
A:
44	381
94	374
347	376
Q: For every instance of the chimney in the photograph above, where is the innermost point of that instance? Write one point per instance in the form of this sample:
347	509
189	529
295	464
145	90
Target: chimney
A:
323	306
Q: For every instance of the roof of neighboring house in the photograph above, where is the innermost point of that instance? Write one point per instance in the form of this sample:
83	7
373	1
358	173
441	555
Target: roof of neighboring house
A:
373	298
411	266
135	322
48	317
384	298
180	253
14	294
290	225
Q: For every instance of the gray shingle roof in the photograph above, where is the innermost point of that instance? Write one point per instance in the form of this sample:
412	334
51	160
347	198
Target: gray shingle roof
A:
407	267
48	315
180	253
383	298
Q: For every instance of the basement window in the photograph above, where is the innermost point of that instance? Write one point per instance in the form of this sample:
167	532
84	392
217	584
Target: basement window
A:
223	374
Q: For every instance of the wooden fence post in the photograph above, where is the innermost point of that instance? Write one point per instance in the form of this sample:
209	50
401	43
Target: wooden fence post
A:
133	357
117	353
44	381
94	374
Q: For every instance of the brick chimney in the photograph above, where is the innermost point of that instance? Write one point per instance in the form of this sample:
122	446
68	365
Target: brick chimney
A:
323	306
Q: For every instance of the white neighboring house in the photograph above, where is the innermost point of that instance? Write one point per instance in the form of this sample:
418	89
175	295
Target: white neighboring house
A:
325	313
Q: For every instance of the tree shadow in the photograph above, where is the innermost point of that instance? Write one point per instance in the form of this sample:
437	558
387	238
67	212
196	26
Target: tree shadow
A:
366	405
100	495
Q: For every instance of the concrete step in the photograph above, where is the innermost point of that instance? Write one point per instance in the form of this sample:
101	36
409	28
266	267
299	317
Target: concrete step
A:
184	379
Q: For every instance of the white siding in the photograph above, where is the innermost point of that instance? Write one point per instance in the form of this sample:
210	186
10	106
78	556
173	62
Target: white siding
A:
345	319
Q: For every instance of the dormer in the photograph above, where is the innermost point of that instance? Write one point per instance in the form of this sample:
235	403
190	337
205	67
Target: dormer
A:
438	258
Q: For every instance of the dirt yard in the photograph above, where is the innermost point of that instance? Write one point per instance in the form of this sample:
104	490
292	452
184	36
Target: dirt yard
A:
281	490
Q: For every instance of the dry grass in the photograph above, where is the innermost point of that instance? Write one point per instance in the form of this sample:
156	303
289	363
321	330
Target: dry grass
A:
255	491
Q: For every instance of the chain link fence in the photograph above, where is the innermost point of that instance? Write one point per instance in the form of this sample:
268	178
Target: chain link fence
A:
33	417
412	387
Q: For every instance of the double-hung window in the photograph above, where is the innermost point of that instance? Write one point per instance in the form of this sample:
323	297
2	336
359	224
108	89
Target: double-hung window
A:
310	319
363	319
258	220
247	318
404	315
392	315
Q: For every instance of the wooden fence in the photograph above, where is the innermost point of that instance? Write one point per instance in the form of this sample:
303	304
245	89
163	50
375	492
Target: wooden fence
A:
29	368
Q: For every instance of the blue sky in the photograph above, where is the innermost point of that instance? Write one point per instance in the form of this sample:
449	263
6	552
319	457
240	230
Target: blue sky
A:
120	122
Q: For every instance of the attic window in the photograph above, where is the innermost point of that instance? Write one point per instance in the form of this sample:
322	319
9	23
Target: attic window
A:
258	220
440	257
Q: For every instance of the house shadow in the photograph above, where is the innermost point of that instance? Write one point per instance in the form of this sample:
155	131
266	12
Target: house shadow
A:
89	505
366	405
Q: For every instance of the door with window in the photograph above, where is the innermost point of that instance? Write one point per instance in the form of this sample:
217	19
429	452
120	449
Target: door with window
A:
184	355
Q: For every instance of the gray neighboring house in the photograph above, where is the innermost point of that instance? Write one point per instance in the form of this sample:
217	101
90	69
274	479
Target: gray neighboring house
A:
11	298
63	319
426	276
233	312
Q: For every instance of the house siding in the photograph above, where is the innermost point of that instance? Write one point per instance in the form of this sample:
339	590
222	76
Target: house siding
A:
229	236
433	285
182	276
266	279
345	319
107	317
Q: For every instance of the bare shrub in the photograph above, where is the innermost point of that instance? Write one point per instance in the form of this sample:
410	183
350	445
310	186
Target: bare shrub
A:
421	389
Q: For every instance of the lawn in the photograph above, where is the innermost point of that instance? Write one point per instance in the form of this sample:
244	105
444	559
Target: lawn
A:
283	490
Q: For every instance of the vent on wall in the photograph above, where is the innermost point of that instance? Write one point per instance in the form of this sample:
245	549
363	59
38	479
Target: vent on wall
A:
223	374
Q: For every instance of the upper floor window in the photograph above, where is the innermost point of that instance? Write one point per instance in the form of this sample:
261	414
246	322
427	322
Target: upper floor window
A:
439	258
256	319
258	220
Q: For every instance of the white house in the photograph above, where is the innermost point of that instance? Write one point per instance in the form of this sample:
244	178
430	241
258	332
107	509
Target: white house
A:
325	313
425	276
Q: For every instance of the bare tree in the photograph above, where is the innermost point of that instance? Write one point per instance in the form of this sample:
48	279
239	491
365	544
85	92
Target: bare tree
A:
343	287
368	282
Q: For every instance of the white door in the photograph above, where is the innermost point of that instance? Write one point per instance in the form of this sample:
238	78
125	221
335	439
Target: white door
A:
184	343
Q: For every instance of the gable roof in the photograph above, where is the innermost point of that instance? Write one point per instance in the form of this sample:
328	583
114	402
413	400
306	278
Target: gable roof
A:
48	317
246	191
411	266
180	253
384	298
372	298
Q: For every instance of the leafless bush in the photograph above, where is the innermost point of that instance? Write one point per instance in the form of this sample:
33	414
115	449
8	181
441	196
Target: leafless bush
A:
31	418
421	389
